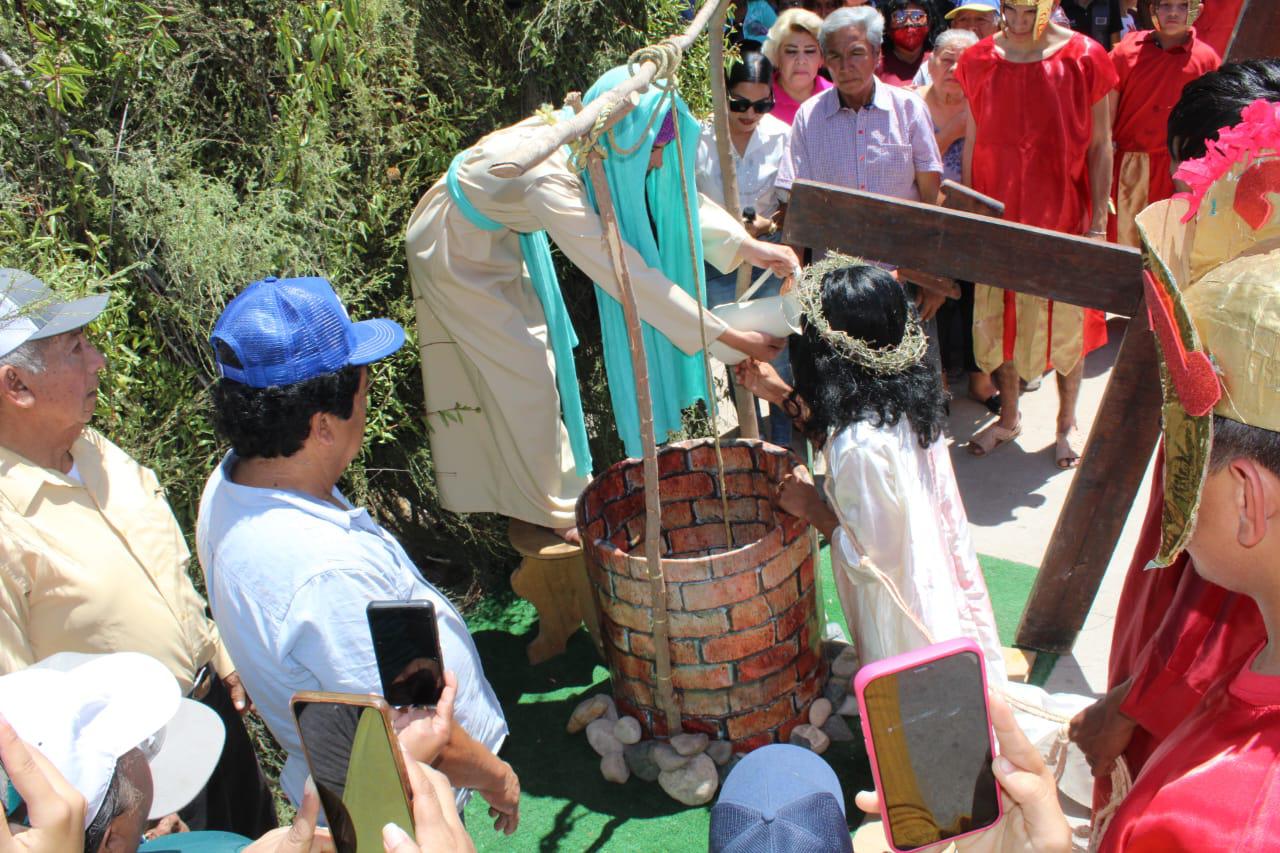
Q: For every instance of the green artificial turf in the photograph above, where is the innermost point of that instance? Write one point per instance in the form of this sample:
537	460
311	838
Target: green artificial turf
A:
566	804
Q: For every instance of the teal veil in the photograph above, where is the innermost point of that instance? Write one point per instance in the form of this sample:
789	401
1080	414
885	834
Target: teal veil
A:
676	380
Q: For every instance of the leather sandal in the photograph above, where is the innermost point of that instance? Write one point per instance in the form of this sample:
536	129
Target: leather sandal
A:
993	436
1066	449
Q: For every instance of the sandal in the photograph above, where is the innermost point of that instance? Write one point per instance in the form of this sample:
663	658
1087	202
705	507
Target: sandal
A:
992	437
1066	451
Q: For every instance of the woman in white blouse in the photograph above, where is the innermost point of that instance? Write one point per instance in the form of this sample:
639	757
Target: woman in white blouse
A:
756	143
867	389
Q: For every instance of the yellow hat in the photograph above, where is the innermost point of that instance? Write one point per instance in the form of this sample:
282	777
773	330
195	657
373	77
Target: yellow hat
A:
1213	292
1044	8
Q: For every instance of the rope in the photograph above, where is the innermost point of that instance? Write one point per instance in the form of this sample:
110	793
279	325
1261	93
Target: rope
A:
712	407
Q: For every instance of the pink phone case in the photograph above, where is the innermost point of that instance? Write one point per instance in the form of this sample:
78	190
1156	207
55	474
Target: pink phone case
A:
909	660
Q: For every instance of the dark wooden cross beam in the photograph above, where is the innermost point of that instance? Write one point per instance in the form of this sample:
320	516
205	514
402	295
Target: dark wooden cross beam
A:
974	247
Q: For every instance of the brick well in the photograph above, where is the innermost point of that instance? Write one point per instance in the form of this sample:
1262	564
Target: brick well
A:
744	625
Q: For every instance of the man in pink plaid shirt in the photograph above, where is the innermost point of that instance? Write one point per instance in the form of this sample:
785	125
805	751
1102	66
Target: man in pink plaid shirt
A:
862	133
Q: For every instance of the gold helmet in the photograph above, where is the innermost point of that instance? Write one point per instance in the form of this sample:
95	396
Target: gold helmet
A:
1213	293
1044	8
1193	12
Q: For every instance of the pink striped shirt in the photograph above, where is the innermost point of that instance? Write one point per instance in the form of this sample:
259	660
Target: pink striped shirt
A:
878	148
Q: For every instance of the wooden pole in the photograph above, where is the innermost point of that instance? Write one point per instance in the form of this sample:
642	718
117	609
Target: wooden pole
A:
748	422
540	146
652	502
1124	435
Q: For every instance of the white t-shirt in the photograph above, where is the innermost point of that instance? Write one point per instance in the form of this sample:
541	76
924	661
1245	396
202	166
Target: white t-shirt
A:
756	168
288	579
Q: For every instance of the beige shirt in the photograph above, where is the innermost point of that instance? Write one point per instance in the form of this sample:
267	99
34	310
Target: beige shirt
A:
98	567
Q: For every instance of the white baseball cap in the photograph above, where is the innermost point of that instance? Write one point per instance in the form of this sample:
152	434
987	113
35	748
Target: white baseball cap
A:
29	310
84	711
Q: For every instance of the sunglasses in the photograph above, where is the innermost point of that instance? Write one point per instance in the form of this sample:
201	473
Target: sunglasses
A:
910	16
741	105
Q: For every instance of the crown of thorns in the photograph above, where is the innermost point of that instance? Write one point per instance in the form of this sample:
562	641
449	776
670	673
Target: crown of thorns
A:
895	358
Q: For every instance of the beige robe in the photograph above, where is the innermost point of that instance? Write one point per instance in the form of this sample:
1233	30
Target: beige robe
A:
493	411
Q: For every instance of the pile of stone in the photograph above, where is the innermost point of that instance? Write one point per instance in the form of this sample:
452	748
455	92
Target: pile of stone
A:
690	767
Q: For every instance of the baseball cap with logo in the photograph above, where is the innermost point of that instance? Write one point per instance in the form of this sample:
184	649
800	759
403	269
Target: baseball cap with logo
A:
83	712
973	6
780	797
280	331
29	310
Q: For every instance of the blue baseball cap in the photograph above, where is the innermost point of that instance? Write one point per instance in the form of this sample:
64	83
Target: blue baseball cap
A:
281	331
780	798
973	6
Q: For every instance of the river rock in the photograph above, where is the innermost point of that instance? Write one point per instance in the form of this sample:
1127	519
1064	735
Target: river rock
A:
600	736
610	709
831	649
845	664
694	784
837	729
720	751
613	767
587	710
667	758
819	711
835	691
690	744
811	738
725	769
639	757
849	707
627	730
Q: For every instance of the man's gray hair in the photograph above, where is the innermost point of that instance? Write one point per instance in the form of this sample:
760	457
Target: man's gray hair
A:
28	356
959	39
865	18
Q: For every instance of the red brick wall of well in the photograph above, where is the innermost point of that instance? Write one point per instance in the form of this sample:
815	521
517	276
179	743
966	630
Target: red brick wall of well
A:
744	624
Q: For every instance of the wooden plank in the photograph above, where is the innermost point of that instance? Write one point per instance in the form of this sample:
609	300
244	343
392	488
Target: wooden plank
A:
1257	34
965	246
1124	435
959	197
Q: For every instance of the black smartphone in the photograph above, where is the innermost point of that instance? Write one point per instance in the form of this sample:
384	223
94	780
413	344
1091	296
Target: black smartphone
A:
356	763
406	643
928	732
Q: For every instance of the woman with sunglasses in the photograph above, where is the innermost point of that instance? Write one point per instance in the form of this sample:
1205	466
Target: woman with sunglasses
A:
910	34
756	143
793	49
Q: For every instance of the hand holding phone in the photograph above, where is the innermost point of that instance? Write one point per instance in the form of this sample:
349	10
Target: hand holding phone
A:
925	721
1033	819
357	765
406	644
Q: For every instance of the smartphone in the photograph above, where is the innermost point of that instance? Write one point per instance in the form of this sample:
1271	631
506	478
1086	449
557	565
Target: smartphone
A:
356	763
406	643
15	809
928	732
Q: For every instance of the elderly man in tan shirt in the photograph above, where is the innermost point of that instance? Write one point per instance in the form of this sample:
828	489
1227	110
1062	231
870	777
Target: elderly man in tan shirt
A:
91	557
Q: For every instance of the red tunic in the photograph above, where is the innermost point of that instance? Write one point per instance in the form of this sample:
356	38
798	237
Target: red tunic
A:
1176	634
1217	22
1034	122
1214	783
1151	81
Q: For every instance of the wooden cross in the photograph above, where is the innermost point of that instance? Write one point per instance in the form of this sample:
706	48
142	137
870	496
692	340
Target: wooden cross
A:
973	247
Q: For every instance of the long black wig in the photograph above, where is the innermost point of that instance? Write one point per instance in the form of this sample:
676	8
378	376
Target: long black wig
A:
867	303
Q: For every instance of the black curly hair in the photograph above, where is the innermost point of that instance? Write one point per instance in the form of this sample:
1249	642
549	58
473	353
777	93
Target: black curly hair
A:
1215	101
868	303
937	19
264	423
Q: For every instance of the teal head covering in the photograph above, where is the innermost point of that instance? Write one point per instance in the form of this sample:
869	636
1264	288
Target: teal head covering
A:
651	216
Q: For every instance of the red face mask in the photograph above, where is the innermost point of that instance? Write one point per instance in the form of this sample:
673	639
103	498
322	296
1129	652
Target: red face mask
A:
909	38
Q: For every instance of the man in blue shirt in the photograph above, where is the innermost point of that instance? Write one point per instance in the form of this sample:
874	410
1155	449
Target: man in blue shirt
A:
290	564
